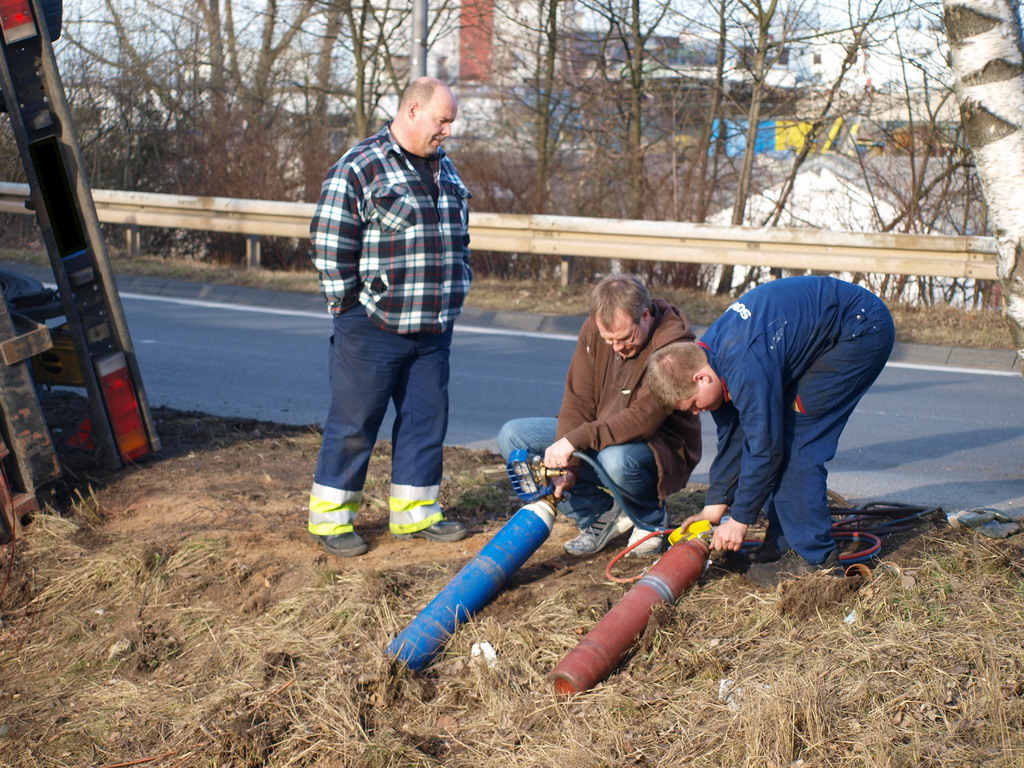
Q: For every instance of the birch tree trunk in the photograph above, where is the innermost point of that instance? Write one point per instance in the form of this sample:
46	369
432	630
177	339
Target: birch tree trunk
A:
988	62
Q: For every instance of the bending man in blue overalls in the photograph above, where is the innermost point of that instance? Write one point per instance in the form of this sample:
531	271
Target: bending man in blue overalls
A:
781	371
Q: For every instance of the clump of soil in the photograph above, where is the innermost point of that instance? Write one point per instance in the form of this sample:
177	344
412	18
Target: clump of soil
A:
800	599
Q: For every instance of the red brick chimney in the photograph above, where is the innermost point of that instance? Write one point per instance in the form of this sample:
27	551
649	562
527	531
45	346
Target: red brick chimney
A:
476	38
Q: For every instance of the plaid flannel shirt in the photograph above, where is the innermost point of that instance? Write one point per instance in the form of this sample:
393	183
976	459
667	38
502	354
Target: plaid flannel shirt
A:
379	239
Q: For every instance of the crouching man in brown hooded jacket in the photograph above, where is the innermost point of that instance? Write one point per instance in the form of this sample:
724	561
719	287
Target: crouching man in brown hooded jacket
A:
609	414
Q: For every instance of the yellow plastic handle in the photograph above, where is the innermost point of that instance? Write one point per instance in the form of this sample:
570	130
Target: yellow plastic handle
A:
694	531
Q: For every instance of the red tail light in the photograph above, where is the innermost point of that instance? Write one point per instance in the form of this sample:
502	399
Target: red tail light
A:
16	20
122	406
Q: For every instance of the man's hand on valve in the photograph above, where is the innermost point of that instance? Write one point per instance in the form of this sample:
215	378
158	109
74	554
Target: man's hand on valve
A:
727	536
563	482
559	454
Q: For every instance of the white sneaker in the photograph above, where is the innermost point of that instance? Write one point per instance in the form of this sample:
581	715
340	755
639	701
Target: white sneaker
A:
652	546
599	533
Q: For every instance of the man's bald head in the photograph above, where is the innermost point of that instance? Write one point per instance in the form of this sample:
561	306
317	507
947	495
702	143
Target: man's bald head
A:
426	111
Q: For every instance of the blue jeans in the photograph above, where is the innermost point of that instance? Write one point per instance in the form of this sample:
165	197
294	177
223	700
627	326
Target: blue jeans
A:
369	367
630	466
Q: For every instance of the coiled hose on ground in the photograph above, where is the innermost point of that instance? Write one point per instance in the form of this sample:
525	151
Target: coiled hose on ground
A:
867	522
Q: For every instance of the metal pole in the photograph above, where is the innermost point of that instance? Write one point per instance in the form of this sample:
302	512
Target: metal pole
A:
418	54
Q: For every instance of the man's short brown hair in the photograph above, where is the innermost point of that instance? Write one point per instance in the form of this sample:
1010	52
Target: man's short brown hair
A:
624	291
670	372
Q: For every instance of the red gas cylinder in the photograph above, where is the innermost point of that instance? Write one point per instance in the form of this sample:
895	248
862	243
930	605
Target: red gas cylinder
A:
611	638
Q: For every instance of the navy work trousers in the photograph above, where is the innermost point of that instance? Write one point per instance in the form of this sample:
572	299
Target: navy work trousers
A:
823	400
370	367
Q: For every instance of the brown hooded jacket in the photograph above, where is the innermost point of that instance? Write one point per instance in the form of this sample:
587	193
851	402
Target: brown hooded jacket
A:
607	401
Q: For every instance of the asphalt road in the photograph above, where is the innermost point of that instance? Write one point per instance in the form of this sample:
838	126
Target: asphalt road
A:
942	426
931	434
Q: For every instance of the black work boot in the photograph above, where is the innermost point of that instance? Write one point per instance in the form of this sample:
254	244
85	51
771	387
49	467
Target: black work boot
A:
766	553
792	565
342	544
443	530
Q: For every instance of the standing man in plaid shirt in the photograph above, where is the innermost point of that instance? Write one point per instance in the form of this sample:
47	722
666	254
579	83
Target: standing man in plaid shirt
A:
391	242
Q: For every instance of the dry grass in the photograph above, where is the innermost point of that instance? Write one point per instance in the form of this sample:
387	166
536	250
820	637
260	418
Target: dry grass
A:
952	327
947	326
120	661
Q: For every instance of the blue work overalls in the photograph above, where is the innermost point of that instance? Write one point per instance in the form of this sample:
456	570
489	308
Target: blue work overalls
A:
795	356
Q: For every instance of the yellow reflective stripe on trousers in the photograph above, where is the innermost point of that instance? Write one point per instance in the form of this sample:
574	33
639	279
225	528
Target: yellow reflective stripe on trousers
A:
338	496
410	516
330	529
419	525
332	516
407	495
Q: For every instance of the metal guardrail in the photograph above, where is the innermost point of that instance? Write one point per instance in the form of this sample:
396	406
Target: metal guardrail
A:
569	236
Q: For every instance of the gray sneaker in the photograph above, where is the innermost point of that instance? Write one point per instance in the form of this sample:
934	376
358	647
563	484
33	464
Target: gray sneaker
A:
596	537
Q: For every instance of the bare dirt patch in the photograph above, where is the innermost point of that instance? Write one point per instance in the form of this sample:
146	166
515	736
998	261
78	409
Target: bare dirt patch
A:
247	482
